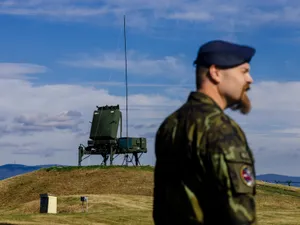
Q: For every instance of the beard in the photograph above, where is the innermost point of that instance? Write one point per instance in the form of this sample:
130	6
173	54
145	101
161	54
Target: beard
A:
244	104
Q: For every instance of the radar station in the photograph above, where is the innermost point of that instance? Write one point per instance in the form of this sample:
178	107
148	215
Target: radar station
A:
103	140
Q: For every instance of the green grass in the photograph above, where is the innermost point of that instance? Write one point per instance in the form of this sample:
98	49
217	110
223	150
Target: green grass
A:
71	168
117	195
279	191
103	209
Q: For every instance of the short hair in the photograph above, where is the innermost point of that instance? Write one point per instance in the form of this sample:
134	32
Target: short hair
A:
201	72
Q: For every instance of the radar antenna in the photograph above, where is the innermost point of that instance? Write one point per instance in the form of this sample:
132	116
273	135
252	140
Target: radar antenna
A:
103	134
126	86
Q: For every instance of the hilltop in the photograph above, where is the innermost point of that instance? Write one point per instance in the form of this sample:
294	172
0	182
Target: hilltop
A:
75	181
10	170
112	191
117	195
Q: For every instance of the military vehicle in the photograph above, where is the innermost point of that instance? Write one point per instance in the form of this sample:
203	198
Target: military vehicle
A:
103	138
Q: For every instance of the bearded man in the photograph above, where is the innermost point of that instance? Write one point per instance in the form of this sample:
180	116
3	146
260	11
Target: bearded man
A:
204	172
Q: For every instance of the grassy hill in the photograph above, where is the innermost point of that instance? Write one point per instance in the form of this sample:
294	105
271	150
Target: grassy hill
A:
117	195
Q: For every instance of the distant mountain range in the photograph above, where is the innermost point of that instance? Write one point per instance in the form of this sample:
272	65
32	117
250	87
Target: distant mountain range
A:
280	179
10	170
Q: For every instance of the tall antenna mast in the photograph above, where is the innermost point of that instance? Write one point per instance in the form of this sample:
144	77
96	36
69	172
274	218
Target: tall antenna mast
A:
125	46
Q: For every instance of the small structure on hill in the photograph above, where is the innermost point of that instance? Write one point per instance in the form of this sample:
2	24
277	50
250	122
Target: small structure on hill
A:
84	199
48	203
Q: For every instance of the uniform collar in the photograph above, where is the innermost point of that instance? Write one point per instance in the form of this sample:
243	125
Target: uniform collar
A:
202	98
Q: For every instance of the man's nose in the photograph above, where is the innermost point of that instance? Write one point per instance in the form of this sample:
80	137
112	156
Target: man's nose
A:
249	79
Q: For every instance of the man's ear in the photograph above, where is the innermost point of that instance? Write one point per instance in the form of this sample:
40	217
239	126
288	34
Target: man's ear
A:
215	74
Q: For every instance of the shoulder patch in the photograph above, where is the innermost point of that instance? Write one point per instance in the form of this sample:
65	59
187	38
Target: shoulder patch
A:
247	175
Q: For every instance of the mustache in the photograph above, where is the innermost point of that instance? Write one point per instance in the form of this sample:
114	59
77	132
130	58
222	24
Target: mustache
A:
247	88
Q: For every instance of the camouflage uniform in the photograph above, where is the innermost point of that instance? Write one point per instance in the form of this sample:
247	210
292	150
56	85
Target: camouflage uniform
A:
204	173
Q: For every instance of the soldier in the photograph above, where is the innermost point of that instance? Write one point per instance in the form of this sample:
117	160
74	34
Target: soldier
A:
204	172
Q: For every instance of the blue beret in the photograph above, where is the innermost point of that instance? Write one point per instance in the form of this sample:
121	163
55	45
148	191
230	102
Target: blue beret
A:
223	54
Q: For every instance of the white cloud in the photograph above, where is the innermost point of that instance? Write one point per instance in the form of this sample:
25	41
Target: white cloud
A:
163	85
137	63
279	96
152	13
46	123
295	131
19	70
202	16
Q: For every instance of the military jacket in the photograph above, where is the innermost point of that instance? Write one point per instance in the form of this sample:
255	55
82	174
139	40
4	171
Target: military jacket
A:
204	172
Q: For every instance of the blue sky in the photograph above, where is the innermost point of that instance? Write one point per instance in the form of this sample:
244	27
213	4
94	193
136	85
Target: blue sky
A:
61	58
